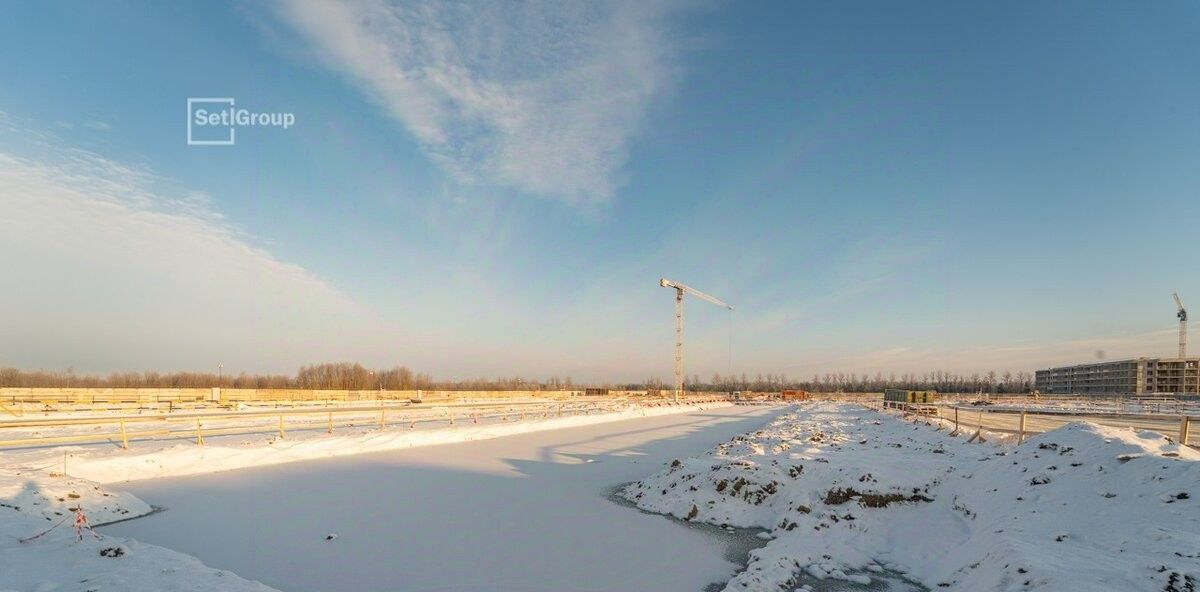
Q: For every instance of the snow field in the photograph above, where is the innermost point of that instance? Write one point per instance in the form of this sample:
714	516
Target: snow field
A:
35	497
848	493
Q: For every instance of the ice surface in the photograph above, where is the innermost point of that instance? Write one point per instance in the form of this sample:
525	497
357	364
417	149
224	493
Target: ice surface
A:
525	512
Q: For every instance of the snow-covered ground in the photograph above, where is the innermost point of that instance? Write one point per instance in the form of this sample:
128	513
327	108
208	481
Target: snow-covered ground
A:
526	512
36	498
849	493
850	497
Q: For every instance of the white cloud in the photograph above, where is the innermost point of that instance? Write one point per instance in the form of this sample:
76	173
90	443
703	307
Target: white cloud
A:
539	96
106	269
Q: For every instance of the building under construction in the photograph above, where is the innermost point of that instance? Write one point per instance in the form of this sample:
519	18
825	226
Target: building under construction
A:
1136	377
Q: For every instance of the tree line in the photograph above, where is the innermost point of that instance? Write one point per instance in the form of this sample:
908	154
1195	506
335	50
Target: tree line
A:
337	375
354	376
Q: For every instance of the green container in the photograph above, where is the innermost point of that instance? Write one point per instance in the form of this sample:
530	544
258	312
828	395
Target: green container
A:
913	397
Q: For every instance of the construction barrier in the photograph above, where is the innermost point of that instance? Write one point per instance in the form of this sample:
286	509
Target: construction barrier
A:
1023	423
195	426
16	402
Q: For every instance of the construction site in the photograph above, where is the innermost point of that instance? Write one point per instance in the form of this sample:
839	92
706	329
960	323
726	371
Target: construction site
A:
544	482
598	296
1138	376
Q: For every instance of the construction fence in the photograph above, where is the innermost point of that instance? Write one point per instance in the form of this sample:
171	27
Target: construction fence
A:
18	401
120	430
1023	423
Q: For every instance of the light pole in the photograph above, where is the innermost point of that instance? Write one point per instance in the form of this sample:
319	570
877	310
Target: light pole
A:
220	367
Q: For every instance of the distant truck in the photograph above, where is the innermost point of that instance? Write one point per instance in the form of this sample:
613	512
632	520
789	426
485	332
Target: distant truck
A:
796	395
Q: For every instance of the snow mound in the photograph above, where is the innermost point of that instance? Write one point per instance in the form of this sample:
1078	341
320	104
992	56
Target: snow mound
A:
39	549
848	492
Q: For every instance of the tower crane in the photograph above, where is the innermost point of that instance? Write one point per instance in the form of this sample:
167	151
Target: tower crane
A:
1182	316
680	290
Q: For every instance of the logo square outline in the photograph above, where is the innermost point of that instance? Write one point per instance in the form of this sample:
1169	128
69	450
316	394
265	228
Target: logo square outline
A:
232	131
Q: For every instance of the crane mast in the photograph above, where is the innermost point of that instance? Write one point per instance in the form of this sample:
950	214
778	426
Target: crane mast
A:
680	290
1183	317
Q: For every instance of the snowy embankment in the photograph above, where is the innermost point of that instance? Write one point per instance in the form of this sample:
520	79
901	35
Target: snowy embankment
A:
849	493
40	552
39	549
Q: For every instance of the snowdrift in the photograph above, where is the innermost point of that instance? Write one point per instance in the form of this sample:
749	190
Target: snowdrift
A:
41	507
848	493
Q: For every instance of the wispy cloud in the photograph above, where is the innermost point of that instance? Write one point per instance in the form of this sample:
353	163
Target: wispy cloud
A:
541	96
99	126
111	267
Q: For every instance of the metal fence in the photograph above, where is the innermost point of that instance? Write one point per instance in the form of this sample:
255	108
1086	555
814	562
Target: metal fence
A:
14	396
1025	422
122	429
17	402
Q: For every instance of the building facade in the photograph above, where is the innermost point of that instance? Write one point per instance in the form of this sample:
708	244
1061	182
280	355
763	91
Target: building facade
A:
1140	376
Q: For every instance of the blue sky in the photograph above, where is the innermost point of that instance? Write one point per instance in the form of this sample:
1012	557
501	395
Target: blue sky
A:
495	189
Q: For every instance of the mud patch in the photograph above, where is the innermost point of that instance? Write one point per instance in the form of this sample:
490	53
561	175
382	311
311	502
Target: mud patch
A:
153	510
870	499
881	581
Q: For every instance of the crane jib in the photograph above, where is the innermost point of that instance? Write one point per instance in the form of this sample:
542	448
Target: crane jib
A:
680	290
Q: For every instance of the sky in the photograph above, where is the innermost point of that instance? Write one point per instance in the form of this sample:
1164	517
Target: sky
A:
495	189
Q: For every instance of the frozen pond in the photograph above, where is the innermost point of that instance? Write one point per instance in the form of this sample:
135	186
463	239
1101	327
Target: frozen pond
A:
520	513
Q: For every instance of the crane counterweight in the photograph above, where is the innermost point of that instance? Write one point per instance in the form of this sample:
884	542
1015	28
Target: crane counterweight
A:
1182	315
